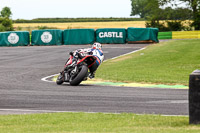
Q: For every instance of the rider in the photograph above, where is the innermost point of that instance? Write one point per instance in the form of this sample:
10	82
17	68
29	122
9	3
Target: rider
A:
98	53
95	51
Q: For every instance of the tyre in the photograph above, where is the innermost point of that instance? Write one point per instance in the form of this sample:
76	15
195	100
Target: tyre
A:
80	76
59	80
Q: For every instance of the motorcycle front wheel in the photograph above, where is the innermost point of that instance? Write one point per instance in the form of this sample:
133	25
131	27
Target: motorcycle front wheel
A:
80	76
59	80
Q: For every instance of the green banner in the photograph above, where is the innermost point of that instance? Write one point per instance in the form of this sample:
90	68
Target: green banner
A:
142	34
47	37
164	35
111	36
79	36
14	38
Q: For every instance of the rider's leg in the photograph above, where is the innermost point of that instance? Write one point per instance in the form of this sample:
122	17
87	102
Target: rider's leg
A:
93	69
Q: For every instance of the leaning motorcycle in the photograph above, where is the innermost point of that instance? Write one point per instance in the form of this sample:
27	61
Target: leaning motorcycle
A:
76	69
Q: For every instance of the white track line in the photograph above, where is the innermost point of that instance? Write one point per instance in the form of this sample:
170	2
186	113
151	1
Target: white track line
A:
128	53
45	78
26	110
49	111
53	111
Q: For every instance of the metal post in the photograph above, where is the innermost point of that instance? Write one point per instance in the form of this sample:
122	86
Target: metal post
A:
194	97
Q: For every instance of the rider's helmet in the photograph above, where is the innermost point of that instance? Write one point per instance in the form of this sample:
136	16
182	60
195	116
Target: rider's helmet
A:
96	45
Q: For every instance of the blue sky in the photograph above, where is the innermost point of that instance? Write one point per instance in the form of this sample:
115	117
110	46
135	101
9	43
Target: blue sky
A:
30	9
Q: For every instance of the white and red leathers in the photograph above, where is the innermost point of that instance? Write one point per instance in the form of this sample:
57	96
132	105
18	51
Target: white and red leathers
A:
98	53
95	52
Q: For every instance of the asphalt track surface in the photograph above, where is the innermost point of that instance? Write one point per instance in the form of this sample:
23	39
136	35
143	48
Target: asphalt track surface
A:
22	91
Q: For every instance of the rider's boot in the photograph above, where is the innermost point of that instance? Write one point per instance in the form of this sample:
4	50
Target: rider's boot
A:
91	75
62	74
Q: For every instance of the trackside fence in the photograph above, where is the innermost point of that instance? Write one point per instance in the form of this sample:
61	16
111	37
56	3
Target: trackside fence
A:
111	36
78	36
14	38
142	34
47	37
164	35
185	34
89	36
179	35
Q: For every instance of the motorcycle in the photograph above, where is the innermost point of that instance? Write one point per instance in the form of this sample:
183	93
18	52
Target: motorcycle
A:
76	69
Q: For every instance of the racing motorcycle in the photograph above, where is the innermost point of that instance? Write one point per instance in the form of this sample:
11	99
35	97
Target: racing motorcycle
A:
76	69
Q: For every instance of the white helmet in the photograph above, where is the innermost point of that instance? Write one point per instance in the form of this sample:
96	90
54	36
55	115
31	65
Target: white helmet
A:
96	45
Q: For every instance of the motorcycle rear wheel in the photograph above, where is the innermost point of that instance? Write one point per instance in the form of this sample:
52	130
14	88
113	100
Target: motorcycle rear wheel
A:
80	76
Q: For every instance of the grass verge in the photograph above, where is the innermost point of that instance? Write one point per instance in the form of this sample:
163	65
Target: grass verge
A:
166	63
99	122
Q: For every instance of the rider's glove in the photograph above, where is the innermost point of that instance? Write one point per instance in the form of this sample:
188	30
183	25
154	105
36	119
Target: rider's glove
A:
71	53
76	54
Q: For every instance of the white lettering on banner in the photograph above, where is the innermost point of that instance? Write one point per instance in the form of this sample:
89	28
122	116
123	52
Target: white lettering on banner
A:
105	34
115	34
111	34
101	34
46	37
13	38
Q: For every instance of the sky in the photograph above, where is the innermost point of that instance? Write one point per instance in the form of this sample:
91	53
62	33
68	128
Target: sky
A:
30	9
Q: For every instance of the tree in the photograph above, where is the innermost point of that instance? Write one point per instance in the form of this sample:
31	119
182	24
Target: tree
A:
6	12
194	5
177	13
138	8
6	23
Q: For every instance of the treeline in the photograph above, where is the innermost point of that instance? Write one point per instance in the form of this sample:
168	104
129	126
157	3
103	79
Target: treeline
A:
168	15
68	20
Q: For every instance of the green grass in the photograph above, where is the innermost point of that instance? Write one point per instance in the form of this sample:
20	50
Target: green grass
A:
167	62
92	123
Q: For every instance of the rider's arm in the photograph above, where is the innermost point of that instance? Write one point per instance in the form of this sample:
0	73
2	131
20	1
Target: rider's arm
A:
80	53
